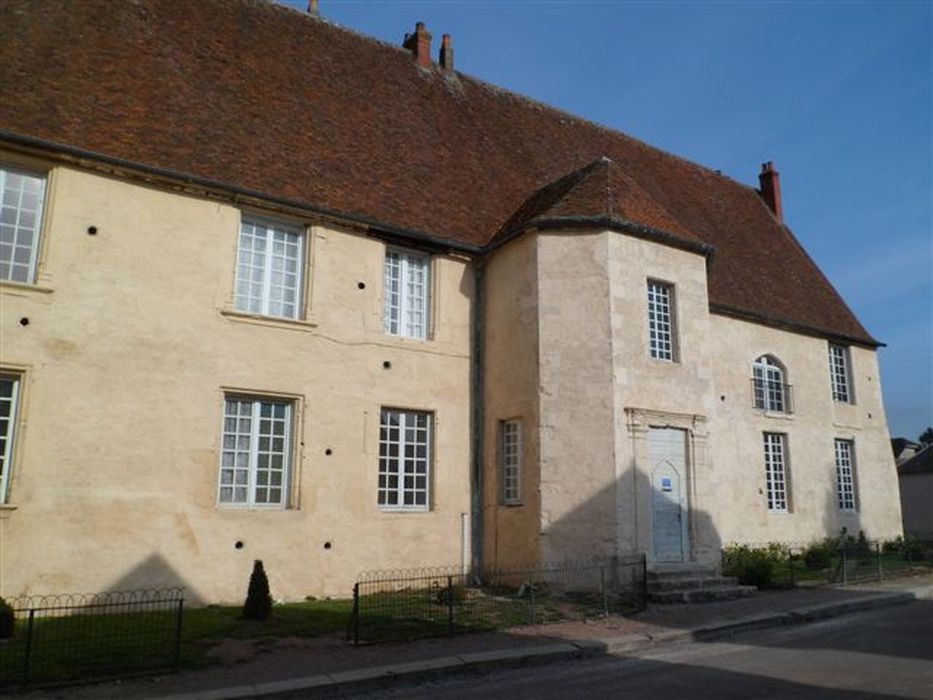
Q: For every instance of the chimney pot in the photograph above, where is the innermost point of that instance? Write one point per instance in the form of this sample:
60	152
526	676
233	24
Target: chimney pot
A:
447	53
313	8
419	44
770	181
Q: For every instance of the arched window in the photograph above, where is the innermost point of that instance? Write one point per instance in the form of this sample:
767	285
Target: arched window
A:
771	391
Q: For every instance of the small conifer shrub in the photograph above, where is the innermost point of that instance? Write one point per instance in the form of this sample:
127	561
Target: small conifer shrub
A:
258	605
7	620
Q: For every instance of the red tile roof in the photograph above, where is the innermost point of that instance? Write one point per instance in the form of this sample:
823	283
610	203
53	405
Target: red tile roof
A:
264	98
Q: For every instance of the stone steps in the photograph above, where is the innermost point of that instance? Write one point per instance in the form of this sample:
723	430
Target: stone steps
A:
692	583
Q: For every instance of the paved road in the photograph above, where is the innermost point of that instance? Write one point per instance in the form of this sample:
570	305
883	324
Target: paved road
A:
885	653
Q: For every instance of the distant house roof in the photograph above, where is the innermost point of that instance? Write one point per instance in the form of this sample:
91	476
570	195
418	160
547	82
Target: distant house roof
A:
920	463
899	444
268	100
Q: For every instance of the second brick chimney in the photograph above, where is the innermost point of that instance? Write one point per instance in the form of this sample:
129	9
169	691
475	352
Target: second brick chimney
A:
419	44
770	191
447	53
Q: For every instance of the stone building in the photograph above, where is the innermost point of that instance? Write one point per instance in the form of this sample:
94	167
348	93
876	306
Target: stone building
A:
273	290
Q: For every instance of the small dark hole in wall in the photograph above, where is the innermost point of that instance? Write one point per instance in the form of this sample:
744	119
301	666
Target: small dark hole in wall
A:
387	365
722	398
327	545
361	285
92	230
24	321
328	452
239	544
869	415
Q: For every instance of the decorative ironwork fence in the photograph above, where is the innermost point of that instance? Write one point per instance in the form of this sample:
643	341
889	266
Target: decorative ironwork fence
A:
412	603
62	638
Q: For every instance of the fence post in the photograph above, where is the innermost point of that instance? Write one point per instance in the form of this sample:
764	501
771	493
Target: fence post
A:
176	660
531	590
845	565
790	565
356	614
602	587
878	556
644	580
450	605
28	654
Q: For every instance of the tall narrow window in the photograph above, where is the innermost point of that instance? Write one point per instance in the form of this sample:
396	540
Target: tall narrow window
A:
845	474
510	460
269	265
404	460
407	294
839	373
661	330
254	461
21	199
770	390
9	397
776	471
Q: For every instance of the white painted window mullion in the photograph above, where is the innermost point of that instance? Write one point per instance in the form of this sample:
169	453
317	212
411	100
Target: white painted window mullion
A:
9	435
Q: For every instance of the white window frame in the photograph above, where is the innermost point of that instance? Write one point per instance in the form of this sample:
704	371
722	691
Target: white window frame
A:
846	487
776	472
243	302
36	242
395	467
402	306
840	373
662	321
252	451
8	432
770	387
511	460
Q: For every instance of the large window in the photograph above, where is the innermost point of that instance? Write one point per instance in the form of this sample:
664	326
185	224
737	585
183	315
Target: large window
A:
270	260
21	198
255	456
9	397
771	392
510	460
775	445
839	374
661	329
845	474
407	293
404	460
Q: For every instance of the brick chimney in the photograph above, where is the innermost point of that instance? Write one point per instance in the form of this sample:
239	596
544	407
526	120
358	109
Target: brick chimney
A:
419	44
770	191
447	53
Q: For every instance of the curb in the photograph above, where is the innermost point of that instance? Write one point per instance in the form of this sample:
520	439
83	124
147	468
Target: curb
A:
382	677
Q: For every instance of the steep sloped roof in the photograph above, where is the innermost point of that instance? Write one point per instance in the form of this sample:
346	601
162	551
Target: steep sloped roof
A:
267	99
920	463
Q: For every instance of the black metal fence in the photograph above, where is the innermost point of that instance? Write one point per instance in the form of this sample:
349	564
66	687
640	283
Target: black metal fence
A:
63	638
412	603
831	561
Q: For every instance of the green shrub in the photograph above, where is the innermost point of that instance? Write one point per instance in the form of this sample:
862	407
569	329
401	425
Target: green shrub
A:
819	555
258	605
910	548
754	566
7	620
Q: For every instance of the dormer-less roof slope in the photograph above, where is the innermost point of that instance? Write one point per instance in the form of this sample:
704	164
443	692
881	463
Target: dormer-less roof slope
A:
920	463
266	99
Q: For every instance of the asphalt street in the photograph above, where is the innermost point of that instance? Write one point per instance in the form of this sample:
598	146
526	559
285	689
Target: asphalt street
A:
881	654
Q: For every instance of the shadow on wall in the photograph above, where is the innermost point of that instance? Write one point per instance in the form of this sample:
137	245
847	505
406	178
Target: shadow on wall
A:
627	515
155	572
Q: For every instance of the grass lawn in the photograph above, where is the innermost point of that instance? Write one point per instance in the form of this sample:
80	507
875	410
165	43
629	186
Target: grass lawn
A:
84	646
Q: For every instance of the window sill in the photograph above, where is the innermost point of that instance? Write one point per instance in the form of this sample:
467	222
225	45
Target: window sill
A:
775	415
403	510
21	289
295	324
512	504
7	506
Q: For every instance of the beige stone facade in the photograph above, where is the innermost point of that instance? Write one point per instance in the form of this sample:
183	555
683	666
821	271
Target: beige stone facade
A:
132	344
128	343
573	305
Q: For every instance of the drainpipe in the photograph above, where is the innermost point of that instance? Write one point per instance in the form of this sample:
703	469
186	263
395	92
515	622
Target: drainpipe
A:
478	415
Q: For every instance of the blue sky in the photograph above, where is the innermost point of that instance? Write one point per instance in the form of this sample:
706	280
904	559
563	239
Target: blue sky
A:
838	94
